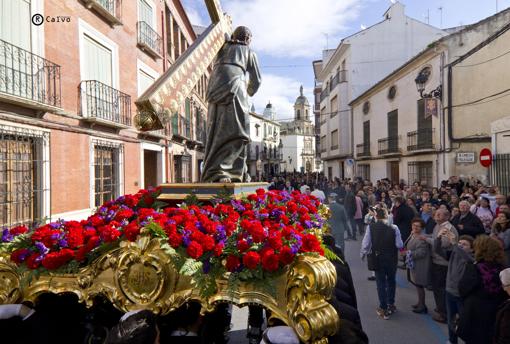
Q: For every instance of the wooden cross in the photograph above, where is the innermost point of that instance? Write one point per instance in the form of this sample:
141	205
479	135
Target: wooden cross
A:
163	98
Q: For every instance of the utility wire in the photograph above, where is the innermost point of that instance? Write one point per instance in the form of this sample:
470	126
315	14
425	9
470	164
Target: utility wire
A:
476	102
486	61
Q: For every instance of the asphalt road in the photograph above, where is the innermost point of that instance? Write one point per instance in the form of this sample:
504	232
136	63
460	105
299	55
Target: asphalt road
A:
402	328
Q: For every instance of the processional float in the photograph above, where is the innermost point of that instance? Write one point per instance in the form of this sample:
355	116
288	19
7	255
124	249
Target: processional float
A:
140	274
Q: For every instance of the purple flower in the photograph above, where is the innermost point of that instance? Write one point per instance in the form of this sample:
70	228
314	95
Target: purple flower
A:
185	238
41	248
55	225
6	235
237	205
206	266
24	255
308	224
39	258
62	243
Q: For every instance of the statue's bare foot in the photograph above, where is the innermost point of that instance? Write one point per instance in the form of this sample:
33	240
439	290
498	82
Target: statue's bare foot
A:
225	180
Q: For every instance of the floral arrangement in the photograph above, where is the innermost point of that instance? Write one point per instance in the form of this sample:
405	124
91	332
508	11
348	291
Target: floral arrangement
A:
251	237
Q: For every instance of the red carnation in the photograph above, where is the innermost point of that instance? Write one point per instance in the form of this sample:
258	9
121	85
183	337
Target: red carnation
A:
96	221
242	246
20	255
218	249
233	263
257	232
54	260
260	192
194	250
253	197
131	231
33	262
207	243
251	260
310	244
124	214
93	243
18	230
108	233
75	237
270	261
175	239
275	241
286	256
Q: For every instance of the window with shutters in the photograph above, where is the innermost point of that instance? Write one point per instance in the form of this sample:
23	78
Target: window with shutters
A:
334	139
364	171
23	164
146	12
334	106
15	23
98	62
107	166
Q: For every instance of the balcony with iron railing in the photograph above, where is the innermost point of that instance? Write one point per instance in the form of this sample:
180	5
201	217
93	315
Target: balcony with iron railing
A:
340	76
389	145
105	104
148	39
421	140
110	10
324	94
363	150
27	79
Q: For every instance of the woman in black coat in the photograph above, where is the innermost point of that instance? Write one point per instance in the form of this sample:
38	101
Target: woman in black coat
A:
482	292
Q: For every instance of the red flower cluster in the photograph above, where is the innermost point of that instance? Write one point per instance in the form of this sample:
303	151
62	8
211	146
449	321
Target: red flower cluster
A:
264	232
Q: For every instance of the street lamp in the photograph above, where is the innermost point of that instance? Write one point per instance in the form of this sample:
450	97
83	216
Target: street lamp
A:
421	80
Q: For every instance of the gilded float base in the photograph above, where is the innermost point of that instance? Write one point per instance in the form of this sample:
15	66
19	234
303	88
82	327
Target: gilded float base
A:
140	275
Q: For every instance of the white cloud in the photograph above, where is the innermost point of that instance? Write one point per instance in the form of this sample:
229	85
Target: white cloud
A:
292	28
195	12
281	92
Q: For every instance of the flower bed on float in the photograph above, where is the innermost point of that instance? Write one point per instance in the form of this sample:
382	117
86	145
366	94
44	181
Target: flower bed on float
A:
252	238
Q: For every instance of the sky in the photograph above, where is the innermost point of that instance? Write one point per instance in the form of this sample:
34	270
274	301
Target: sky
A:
289	34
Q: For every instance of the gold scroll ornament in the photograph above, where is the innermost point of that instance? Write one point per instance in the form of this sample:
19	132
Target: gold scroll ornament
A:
163	98
140	275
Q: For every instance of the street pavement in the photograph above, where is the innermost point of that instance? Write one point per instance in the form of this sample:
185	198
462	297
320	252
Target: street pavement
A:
403	327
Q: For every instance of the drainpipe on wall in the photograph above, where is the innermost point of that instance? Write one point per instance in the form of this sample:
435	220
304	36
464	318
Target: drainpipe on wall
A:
167	157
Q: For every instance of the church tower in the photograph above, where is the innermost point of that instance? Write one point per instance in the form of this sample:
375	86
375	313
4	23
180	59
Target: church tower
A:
269	111
301	107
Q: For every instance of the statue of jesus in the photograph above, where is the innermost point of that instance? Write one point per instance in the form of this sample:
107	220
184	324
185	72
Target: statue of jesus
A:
227	115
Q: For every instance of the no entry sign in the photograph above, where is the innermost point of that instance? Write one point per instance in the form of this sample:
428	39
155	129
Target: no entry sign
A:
485	157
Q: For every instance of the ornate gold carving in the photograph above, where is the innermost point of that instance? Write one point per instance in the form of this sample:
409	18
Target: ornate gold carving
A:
140	275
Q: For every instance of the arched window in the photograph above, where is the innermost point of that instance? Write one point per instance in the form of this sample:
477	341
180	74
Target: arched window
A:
298	114
256	152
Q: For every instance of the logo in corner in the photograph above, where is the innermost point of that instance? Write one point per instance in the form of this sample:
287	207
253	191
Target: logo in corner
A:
37	19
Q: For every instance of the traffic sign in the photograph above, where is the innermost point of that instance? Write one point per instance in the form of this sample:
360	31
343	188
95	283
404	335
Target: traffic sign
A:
485	157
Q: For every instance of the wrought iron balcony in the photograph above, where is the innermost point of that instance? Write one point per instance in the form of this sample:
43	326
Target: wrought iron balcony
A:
421	140
340	76
105	104
148	39
363	150
28	76
389	145
110	10
324	94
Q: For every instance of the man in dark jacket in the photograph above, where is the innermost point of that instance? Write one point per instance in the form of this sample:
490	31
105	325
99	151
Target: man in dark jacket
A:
466	222
402	217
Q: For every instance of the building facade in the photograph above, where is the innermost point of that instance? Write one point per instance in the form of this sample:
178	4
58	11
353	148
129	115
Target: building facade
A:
430	118
68	82
298	139
264	150
355	65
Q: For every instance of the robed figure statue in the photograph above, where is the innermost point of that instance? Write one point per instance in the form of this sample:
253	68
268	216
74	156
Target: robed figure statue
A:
227	116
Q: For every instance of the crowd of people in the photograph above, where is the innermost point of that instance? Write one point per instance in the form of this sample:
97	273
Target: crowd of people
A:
453	239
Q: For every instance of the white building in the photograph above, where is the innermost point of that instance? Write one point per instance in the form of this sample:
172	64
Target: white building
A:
428	136
264	152
298	139
355	65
